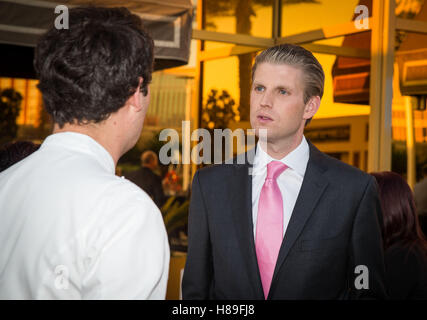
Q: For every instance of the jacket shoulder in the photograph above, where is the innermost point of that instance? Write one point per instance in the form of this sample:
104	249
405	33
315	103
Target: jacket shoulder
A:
216	171
339	170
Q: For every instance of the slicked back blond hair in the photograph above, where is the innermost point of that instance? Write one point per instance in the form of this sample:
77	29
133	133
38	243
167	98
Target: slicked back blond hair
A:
296	56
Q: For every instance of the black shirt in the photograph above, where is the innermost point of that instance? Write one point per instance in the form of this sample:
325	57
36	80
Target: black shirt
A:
406	272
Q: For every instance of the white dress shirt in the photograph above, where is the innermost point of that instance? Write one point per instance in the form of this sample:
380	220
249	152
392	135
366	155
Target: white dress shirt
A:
289	181
71	229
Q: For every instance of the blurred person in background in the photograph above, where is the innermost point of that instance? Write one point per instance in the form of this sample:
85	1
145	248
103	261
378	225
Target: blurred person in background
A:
13	152
147	179
404	244
69	227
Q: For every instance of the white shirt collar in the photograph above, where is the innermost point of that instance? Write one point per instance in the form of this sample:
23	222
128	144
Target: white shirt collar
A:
297	159
81	143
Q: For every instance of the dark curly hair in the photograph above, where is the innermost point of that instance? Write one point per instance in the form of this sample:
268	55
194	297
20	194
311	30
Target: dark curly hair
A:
90	70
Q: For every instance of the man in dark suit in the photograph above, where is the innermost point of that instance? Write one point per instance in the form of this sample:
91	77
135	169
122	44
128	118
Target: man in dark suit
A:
146	179
293	223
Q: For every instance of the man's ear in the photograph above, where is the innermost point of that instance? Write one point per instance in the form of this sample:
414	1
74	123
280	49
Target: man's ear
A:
311	107
135	101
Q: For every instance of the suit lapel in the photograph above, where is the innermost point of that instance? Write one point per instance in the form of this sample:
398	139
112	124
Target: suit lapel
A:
312	188
242	214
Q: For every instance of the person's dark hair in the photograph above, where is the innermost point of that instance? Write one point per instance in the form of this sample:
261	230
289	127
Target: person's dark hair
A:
400	221
296	56
14	152
90	70
148	157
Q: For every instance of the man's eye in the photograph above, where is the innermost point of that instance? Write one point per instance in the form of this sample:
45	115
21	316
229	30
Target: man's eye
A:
283	91
259	88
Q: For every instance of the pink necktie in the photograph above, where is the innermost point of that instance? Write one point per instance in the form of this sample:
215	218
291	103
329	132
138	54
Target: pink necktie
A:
269	228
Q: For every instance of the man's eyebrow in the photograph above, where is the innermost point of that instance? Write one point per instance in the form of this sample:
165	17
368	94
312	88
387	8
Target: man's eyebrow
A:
280	87
284	88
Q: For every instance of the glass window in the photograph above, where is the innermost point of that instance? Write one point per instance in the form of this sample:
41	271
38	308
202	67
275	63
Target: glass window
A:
209	45
220	79
328	107
170	95
5	83
315	14
34	103
20	85
251	17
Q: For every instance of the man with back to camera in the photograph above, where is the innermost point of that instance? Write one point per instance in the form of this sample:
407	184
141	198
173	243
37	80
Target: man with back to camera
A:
70	228
296	224
146	178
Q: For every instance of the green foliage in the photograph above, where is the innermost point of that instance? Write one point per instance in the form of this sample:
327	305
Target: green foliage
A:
155	144
219	110
10	105
175	214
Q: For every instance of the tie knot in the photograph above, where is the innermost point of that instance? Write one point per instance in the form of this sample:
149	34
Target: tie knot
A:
274	169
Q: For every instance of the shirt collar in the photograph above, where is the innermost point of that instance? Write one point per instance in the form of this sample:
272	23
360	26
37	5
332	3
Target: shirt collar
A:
81	143
297	159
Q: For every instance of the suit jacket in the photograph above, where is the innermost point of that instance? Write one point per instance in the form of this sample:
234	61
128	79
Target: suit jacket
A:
150	182
334	227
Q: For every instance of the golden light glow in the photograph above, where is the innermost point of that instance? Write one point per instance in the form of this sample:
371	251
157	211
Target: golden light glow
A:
223	73
31	104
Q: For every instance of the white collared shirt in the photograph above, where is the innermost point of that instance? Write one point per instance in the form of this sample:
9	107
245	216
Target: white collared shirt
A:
289	181
71	229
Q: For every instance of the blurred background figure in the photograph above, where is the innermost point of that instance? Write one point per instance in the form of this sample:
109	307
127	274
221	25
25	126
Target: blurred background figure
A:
420	194
14	152
404	243
147	179
172	182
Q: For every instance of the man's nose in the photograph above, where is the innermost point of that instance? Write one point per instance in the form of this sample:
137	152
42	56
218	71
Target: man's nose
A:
266	100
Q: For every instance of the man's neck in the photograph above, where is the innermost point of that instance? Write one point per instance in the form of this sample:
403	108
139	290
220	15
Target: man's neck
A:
96	132
280	149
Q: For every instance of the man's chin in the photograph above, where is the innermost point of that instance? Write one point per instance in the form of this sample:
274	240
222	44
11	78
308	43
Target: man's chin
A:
262	132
